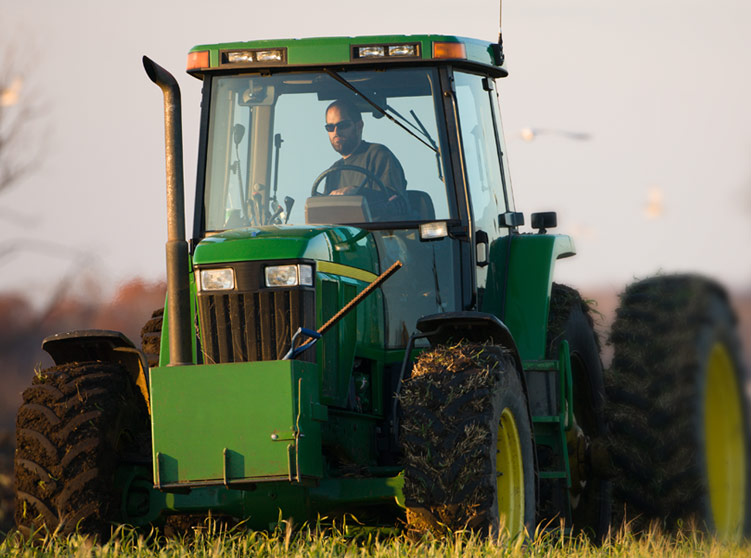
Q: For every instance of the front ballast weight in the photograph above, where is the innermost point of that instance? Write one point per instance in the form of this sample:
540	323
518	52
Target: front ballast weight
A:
314	336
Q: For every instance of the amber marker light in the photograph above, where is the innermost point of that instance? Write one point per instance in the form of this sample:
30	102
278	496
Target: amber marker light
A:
449	50
198	60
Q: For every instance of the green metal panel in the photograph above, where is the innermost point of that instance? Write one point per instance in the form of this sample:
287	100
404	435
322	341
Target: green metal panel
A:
327	304
338	345
339	244
337	50
229	422
527	293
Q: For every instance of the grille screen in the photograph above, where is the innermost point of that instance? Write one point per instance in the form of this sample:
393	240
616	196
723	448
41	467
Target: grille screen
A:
254	325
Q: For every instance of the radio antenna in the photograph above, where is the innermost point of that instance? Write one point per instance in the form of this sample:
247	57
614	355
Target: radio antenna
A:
498	47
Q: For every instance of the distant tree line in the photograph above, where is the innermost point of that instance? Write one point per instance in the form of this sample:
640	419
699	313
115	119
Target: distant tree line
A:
22	328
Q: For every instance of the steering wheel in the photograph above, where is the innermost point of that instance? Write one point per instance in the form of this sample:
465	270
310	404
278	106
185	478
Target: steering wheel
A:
372	178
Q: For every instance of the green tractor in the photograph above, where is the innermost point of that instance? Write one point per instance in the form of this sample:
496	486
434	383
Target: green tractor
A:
365	330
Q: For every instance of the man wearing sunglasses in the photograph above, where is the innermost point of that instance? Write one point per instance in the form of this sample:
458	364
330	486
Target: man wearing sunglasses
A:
344	125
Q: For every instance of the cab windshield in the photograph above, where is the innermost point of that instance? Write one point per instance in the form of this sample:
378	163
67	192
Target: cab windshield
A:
272	159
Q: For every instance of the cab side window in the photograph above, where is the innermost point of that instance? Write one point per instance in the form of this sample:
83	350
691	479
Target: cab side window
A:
481	146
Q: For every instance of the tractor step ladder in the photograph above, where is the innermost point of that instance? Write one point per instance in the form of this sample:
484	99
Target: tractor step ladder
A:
549	385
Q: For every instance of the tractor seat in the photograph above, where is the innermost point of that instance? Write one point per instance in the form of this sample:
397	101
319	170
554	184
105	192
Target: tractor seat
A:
421	204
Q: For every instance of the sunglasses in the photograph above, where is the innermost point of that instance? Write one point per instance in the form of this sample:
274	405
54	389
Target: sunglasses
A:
342	125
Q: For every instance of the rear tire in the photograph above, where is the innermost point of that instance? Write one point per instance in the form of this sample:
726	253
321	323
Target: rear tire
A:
151	337
467	441
570	319
679	412
76	422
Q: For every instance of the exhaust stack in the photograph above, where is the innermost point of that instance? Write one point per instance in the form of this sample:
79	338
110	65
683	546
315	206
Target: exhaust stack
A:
178	293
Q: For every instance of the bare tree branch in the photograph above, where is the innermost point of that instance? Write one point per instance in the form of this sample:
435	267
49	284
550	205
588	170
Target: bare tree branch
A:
19	118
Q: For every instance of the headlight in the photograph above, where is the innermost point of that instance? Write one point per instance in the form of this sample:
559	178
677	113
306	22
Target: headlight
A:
289	275
281	276
217	279
306	274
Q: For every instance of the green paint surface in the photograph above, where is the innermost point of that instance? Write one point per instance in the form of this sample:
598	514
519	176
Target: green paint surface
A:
337	50
524	309
339	244
247	412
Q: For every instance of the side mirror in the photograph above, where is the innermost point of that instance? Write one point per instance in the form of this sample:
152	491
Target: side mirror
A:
511	219
544	221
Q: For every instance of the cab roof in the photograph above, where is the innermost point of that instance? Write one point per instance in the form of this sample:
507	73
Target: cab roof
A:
326	51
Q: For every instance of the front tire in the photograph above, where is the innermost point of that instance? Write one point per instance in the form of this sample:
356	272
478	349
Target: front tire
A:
76	422
467	441
679	420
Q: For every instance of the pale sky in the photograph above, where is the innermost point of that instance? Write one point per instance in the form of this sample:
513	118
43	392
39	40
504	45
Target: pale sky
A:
661	86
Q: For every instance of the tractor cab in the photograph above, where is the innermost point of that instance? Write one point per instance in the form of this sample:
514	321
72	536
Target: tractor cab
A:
426	184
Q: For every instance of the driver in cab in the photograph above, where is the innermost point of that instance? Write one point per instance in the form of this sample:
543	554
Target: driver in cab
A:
344	125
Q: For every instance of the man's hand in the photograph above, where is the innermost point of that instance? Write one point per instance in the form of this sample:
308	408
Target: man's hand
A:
343	191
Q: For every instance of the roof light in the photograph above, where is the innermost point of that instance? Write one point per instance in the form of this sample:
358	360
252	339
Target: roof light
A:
239	56
449	50
403	50
409	50
371	52
275	55
255	56
198	60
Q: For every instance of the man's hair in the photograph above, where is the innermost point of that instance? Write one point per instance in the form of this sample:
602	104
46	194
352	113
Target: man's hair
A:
346	108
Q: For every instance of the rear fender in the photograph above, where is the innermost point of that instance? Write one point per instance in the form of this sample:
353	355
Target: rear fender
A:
518	288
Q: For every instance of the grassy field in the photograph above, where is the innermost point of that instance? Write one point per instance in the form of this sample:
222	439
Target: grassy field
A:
336	542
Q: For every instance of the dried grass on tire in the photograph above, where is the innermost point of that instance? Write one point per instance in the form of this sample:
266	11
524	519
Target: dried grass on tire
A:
446	432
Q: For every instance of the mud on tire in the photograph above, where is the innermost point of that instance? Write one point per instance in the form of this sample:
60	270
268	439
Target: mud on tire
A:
680	445
452	407
75	424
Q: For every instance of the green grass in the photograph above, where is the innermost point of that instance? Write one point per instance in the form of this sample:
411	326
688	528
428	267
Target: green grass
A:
336	542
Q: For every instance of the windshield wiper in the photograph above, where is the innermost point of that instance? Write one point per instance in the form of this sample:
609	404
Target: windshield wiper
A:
432	142
424	131
354	89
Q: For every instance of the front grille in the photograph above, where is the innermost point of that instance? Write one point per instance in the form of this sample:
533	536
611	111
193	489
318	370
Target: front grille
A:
254	325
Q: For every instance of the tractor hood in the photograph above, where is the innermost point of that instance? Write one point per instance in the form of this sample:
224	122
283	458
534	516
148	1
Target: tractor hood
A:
349	246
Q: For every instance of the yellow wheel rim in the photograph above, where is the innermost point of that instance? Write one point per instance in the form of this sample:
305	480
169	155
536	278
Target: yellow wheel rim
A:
510	474
724	435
